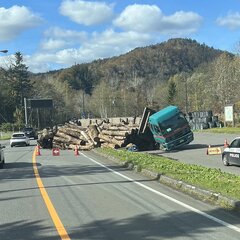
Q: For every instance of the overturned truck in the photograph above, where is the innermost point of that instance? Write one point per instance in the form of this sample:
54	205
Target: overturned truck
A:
103	133
166	129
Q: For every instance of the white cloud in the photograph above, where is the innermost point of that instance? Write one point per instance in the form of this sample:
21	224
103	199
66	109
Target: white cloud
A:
87	13
56	38
139	18
137	26
15	20
231	21
110	43
52	44
58	32
98	46
149	18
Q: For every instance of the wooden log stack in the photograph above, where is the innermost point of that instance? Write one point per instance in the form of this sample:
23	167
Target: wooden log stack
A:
104	134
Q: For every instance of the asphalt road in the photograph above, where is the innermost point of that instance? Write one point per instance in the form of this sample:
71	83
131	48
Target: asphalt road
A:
196	152
94	198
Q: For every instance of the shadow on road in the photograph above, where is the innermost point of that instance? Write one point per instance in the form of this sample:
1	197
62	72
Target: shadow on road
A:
171	225
19	165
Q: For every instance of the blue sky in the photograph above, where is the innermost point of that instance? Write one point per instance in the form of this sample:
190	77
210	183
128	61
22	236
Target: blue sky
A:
56	34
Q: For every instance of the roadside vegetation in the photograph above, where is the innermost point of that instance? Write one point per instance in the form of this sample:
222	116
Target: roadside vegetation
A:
227	130
206	178
5	136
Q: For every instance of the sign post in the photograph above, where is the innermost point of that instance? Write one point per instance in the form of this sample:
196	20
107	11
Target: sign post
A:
229	114
25	111
56	152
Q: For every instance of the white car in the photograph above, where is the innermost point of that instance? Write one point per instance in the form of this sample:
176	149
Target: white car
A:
19	139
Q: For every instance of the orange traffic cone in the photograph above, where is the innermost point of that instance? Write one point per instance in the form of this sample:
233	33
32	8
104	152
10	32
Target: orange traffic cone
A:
76	152
37	151
226	143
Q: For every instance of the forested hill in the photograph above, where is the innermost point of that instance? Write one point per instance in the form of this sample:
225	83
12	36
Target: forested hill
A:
160	61
152	63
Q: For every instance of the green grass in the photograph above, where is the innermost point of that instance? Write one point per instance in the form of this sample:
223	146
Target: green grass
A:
5	136
227	130
207	178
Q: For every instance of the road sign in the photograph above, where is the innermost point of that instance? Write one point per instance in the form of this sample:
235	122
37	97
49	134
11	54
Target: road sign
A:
55	151
214	150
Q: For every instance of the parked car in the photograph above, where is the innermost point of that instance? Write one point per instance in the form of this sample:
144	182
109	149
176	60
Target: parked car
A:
2	158
30	132
19	139
231	154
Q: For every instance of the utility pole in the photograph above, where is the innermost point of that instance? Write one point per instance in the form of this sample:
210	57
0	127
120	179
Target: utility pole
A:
4	51
25	110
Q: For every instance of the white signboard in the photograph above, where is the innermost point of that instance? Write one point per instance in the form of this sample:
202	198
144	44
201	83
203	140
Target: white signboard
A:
228	110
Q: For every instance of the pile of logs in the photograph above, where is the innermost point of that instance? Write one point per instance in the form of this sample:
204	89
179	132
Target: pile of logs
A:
104	134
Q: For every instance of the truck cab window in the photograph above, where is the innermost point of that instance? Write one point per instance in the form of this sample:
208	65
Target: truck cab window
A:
155	129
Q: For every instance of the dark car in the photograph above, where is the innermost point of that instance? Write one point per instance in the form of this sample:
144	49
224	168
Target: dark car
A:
30	132
2	158
231	154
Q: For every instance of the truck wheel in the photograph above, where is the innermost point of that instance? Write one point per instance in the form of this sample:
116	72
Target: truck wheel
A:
161	147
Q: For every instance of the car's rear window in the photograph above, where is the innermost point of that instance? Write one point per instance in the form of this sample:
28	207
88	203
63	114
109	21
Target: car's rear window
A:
18	135
28	129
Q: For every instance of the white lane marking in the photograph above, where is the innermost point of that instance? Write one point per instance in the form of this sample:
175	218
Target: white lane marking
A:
228	225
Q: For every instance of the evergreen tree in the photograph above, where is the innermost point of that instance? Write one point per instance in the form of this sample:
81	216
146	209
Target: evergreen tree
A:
18	77
172	89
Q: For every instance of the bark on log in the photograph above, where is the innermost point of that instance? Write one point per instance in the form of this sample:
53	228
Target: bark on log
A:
70	131
116	133
86	136
110	140
88	146
75	127
93	132
118	128
67	140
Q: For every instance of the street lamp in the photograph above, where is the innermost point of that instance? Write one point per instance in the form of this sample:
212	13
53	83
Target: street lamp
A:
4	51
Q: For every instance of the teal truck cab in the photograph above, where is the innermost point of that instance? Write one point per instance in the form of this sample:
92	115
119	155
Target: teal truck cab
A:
170	128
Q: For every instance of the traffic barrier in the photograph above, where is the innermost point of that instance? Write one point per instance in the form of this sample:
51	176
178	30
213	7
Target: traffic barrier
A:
213	150
226	143
37	151
56	152
76	152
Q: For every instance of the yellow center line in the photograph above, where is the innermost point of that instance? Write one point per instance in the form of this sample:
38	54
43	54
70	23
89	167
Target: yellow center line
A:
55	218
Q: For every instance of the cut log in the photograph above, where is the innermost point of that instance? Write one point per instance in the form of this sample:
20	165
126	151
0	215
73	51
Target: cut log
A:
75	127
108	139
67	140
71	132
88	146
86	136
93	132
116	133
110	145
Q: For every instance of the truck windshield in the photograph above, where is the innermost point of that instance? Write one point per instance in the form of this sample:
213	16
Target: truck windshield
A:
173	123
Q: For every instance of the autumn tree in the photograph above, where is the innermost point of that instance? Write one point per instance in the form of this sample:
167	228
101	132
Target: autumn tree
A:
223	80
